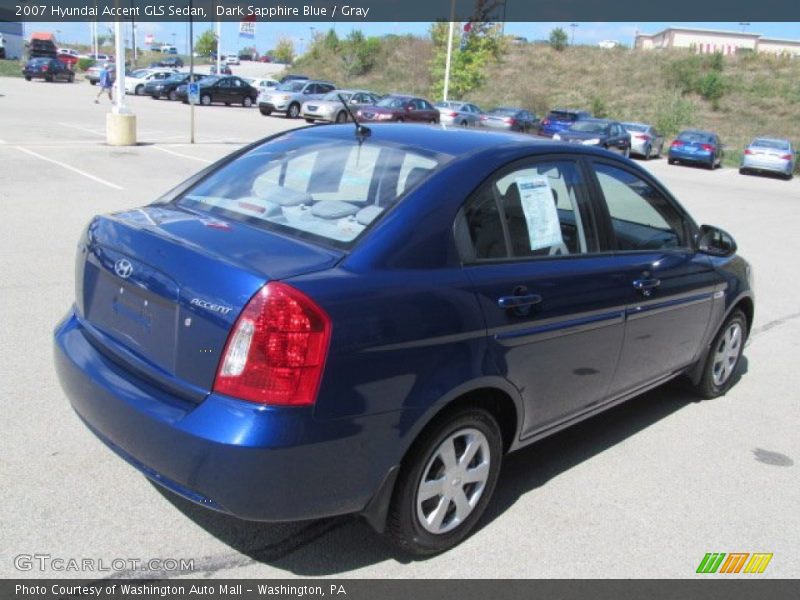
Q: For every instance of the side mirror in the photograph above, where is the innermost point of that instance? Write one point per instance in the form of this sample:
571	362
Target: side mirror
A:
715	242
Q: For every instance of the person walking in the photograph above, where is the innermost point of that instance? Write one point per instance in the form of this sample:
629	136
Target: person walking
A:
106	82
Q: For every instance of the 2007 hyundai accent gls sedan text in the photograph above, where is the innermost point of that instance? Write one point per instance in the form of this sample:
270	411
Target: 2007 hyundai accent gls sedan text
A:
330	322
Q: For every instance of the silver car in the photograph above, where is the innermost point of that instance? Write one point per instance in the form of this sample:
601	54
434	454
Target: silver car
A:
330	109
459	113
772	155
288	97
645	140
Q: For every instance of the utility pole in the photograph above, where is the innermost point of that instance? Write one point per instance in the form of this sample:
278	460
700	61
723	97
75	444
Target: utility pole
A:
572	40
191	70
219	46
449	49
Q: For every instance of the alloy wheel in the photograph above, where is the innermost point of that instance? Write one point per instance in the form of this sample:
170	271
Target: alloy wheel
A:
727	354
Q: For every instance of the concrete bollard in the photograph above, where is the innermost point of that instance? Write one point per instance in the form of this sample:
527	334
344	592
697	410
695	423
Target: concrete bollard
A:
120	129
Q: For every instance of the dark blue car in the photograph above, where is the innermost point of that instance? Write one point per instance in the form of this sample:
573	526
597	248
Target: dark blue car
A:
560	119
327	323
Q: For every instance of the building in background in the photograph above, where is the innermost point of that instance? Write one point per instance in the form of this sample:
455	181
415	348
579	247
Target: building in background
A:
11	40
708	41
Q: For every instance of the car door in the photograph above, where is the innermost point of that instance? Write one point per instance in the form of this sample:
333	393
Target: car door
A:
553	304
670	288
223	90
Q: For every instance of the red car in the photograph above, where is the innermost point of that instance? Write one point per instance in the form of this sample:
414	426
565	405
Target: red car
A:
265	58
395	108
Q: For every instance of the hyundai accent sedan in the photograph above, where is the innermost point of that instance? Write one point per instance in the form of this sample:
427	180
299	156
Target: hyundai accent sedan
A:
327	322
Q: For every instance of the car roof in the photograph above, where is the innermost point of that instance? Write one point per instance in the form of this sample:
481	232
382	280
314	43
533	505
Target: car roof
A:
597	120
763	138
703	131
636	123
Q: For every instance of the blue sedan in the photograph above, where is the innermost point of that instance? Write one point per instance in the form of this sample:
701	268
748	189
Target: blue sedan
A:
694	146
342	320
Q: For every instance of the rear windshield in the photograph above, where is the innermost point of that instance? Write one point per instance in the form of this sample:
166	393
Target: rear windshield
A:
334	96
771	144
326	191
560	115
39	61
503	111
696	137
392	102
589	126
634	127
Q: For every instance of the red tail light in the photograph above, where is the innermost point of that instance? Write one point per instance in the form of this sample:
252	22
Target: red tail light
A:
748	151
484	118
452	114
546	122
707	147
642	136
44	67
787	157
510	121
276	351
677	144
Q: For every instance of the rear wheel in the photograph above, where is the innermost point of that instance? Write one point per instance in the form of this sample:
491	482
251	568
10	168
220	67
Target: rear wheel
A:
647	152
173	95
27	78
671	161
293	112
205	100
139	90
71	77
247	102
446	482
464	123
341	117
309	120
264	111
743	171
91	82
724	356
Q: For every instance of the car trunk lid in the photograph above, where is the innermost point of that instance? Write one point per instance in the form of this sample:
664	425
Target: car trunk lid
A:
161	287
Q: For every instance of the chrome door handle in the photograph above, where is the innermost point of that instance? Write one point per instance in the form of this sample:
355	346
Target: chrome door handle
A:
517	301
646	286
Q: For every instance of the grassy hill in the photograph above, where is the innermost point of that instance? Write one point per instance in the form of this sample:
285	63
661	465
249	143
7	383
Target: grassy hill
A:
737	96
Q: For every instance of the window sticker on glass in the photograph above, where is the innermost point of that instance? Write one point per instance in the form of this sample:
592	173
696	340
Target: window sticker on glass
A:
541	215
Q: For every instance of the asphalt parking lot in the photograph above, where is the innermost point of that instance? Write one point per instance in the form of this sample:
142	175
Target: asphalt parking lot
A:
644	490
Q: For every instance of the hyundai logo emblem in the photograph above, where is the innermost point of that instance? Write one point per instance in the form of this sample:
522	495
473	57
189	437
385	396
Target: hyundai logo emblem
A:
123	268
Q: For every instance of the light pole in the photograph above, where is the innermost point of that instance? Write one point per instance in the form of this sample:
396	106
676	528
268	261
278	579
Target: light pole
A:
744	25
572	40
449	50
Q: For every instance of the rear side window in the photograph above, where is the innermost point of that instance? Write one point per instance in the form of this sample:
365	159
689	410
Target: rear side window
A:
534	210
642	218
324	190
558	115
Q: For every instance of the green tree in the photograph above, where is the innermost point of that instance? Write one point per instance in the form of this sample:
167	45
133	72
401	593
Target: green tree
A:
358	53
558	39
331	41
284	51
473	52
206	43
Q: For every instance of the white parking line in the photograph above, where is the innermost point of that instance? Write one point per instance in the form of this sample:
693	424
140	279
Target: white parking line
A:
71	168
189	156
87	130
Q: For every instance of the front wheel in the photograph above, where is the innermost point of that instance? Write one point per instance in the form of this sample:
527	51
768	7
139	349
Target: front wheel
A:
205	100
309	120
71	78
293	112
173	95
27	78
264	111
446	482
723	357
139	90
247	102
341	117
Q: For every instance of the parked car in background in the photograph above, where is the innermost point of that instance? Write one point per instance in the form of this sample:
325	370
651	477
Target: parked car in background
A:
324	324
399	108
168	88
288	97
245	56
93	72
169	49
287	78
223	70
225	90
459	113
645	140
231	59
560	119
136	81
330	109
695	146
100	57
171	62
69	52
265	59
49	69
262	84
510	118
769	155
603	133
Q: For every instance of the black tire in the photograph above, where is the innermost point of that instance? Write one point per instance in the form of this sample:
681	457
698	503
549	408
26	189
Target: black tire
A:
294	111
205	100
671	161
173	95
404	526
400	120
92	82
743	171
155	96
27	79
71	78
247	102
464	123
647	151
265	111
139	90
341	117
49	79
309	120
709	386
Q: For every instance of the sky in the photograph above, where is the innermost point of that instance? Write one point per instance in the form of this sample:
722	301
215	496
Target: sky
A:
267	33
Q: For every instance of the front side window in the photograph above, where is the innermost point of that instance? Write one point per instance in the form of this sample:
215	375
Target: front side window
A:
642	218
318	189
535	210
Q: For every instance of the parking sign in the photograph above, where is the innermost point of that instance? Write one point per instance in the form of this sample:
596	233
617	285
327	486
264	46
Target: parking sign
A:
194	93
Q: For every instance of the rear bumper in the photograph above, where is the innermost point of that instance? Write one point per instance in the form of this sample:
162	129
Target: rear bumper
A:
766	164
253	462
693	157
